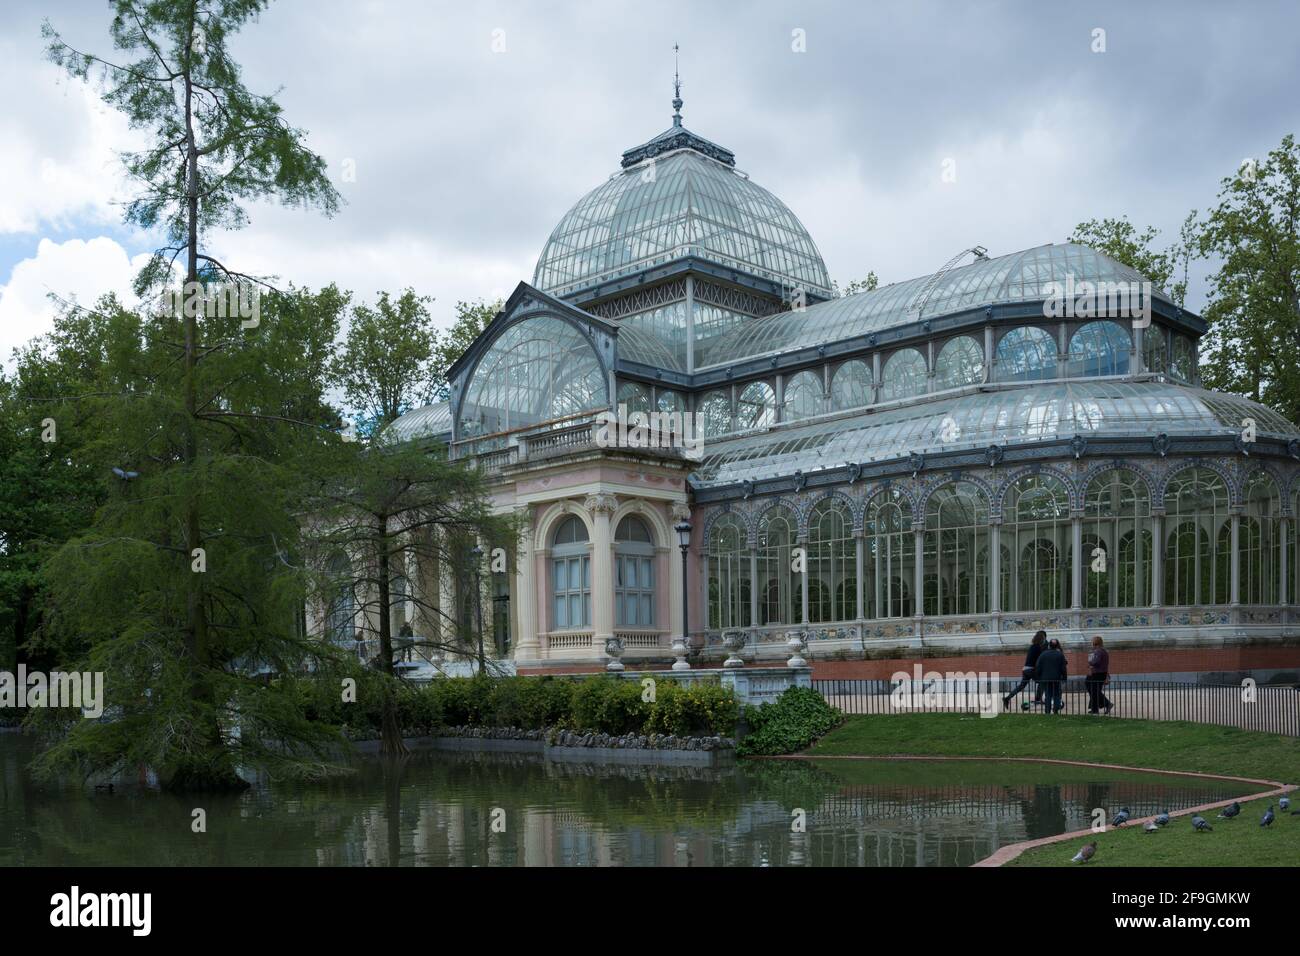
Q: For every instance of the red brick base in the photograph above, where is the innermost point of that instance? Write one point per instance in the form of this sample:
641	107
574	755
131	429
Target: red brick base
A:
1152	661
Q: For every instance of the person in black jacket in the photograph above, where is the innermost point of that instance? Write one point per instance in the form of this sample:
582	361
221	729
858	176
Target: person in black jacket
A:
1027	672
1051	673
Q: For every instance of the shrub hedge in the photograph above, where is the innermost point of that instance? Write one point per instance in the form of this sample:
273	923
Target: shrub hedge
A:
598	704
798	717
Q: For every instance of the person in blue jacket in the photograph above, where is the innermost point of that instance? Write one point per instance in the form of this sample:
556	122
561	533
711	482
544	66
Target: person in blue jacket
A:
1027	672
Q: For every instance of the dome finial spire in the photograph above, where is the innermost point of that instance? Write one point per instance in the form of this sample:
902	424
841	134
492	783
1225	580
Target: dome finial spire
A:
677	89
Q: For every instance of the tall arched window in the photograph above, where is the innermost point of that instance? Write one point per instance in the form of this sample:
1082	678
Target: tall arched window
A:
1259	541
890	555
714	412
341	609
1037	527
1026	353
1154	350
635	396
780	596
1101	348
571	575
1182	367
1197	557
803	396
832	562
904	375
960	362
666	400
729	574
851	385
756	407
634	575
1117	541
956	532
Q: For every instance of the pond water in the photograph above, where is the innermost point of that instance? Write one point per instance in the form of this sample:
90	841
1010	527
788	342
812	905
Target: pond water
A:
451	809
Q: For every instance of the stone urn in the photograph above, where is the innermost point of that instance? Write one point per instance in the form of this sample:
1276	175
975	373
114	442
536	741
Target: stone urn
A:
614	650
796	645
734	642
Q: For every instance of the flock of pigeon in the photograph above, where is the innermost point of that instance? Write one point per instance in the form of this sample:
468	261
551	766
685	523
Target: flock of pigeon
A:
1198	823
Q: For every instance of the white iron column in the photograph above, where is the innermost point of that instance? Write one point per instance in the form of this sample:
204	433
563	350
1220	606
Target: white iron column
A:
601	507
525	598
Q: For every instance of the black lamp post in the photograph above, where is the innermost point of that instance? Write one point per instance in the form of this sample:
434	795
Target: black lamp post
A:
680	648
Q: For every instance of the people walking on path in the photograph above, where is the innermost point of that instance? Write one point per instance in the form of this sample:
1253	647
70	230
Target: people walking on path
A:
1098	677
1051	673
1027	672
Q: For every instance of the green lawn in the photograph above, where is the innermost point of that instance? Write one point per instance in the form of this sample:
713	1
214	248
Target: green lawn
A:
1238	842
1164	745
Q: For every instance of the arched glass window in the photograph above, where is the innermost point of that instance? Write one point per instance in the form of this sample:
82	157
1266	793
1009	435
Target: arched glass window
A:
537	370
1036	525
1025	354
832	563
571	575
780	596
1117	541
803	396
729	574
851	385
956	533
714	412
756	407
889	555
903	375
960	362
635	396
1182	368
1197	555
1101	348
670	401
1259	541
341	609
1154	350
634	574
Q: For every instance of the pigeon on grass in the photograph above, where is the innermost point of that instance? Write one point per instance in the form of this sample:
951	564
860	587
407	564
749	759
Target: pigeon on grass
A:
1198	823
1085	854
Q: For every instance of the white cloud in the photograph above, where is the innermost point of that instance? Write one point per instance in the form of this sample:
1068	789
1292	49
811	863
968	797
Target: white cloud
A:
76	270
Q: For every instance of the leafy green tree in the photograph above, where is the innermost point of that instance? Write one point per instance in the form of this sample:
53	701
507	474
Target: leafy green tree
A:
180	589
391	507
1254	300
398	511
386	364
869	284
471	319
1124	242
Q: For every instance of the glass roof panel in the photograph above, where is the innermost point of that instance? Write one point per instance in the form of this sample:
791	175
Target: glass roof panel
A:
1006	416
1016	277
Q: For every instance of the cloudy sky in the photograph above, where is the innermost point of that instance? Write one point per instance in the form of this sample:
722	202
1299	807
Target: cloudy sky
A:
473	126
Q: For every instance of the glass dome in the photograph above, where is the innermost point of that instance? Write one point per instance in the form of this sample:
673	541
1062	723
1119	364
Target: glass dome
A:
679	196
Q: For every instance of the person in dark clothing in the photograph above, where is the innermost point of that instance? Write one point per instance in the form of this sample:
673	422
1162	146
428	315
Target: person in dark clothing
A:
1098	677
1051	673
1027	672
